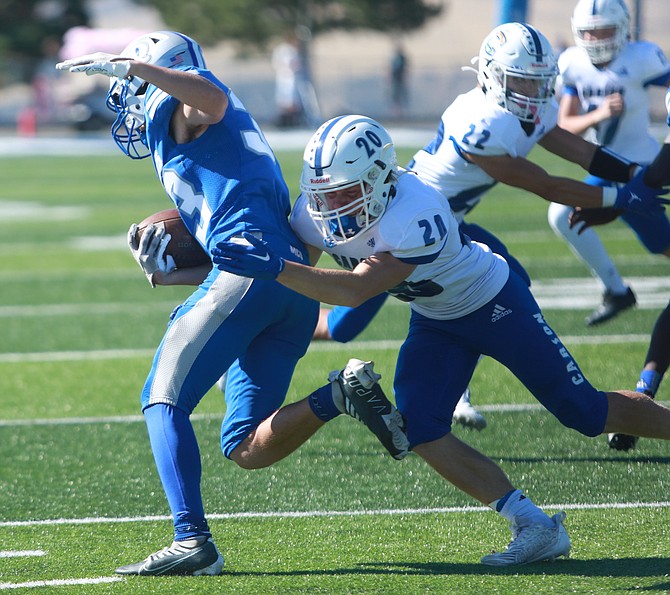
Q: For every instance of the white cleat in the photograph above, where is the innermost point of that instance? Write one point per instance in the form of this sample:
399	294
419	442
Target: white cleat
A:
534	543
466	415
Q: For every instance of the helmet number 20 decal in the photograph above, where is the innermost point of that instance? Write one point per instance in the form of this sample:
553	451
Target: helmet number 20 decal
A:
366	141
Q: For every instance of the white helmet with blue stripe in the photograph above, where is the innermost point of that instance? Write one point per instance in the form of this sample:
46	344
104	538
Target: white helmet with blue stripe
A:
517	69
126	95
592	15
351	156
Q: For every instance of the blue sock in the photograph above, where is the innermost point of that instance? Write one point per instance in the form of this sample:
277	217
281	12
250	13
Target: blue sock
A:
649	382
177	457
321	403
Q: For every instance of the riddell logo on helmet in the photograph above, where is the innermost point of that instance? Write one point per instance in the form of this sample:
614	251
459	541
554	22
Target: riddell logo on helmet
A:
323	180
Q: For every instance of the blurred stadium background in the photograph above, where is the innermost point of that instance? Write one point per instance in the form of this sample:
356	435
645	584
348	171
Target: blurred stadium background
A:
349	69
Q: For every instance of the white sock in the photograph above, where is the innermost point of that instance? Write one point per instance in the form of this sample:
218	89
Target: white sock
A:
588	247
521	510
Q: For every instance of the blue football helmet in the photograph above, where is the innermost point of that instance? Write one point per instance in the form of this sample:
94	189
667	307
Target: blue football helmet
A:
126	96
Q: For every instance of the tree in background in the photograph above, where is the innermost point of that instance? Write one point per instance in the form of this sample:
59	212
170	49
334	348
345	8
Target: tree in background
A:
31	28
257	22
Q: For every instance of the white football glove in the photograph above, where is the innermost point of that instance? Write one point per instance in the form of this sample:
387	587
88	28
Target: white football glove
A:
110	65
149	252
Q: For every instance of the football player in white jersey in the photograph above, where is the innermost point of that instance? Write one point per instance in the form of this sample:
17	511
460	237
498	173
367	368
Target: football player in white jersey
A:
604	81
217	168
484	137
391	231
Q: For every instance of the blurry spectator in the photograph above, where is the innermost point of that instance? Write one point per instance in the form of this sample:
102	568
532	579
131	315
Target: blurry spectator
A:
398	76
45	81
287	62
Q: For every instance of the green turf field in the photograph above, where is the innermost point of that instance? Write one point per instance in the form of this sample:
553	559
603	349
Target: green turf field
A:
79	494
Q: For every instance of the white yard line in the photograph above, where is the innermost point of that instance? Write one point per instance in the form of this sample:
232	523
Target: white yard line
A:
65	582
328	513
21	553
79	309
128	419
103	354
554	294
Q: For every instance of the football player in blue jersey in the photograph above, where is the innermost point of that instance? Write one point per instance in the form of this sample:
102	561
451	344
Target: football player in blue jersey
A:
604	84
389	230
216	166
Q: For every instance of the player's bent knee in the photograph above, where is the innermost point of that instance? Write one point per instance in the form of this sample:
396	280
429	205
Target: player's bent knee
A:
587	416
245	457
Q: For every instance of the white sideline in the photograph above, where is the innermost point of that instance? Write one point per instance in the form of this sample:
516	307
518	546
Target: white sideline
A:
327	513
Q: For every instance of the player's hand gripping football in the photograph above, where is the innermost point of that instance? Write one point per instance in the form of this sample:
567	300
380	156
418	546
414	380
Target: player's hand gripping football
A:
149	250
248	256
636	196
110	65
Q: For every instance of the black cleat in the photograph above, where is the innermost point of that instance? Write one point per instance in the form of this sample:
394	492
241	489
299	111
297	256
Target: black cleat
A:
612	305
356	393
621	441
179	559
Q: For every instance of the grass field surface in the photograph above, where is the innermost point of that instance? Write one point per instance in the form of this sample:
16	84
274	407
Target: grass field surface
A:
79	494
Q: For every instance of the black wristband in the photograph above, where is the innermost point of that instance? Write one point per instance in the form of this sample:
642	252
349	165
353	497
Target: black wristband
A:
608	165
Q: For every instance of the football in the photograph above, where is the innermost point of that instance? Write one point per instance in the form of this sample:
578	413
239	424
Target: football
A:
183	247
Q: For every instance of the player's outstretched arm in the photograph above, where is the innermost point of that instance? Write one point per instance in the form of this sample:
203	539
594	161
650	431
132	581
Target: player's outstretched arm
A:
252	257
206	103
522	173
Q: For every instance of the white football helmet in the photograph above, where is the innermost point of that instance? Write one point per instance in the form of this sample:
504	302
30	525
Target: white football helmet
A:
517	69
351	156
590	15
126	95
